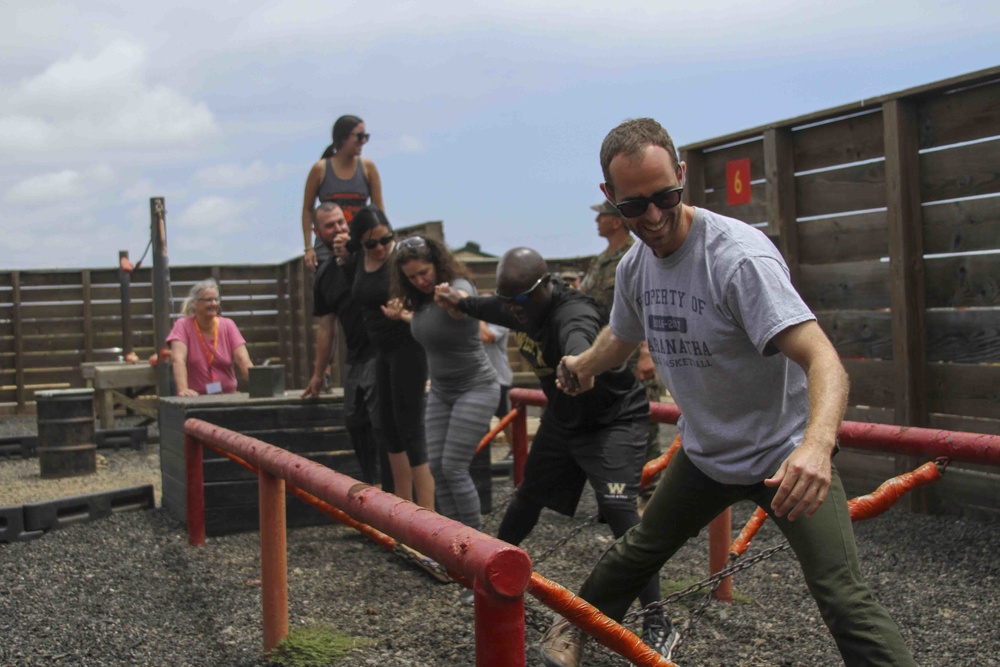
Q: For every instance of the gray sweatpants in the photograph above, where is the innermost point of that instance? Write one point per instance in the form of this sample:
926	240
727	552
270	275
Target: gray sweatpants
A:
455	422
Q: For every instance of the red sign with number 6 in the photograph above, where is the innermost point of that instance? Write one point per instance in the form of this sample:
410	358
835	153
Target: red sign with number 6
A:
738	182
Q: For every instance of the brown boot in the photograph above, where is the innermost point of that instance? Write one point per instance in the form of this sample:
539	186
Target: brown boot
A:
562	645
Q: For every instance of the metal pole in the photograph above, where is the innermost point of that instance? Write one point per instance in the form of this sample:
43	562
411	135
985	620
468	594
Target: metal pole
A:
273	558
161	287
520	445
125	283
499	629
195	487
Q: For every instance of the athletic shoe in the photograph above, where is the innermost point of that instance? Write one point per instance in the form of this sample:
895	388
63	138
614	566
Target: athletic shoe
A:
658	634
562	645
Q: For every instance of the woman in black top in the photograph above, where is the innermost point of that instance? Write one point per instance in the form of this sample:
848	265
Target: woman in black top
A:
401	365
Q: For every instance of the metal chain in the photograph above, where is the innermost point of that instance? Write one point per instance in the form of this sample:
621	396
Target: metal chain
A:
570	535
713	580
426	563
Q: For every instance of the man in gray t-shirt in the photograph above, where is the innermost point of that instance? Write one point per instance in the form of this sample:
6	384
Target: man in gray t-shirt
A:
761	388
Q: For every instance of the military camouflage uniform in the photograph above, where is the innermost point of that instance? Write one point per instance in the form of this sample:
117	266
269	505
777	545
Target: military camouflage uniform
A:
599	284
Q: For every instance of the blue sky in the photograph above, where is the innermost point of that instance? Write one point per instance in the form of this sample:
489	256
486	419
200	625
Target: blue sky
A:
486	115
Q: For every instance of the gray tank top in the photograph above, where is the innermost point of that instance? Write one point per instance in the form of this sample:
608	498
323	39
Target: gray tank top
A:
350	194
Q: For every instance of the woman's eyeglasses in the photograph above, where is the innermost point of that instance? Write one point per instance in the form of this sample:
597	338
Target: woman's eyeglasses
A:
523	296
210	299
363	137
371	244
664	199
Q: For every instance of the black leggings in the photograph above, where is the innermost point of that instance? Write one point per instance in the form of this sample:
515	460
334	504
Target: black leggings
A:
401	378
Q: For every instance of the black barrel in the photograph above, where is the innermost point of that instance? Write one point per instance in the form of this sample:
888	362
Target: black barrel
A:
66	432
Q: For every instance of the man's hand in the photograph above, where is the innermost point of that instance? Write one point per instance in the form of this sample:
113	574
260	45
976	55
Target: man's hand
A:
802	480
446	296
313	388
645	369
339	248
569	379
187	392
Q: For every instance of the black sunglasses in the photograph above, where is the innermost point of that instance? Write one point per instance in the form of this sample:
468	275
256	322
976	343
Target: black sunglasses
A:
363	137
663	200
372	243
523	296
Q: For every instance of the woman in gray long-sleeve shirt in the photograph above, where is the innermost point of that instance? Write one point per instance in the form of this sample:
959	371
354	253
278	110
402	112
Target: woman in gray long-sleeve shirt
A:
464	387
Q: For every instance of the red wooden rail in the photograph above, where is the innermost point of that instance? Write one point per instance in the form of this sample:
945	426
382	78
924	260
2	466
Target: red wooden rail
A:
912	441
499	573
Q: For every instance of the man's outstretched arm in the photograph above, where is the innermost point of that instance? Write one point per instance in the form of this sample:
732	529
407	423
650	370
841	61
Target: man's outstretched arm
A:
608	351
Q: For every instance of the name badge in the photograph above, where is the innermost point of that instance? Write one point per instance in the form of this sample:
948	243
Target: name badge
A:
213	388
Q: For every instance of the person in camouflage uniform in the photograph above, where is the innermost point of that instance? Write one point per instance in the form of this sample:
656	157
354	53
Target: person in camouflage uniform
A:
599	284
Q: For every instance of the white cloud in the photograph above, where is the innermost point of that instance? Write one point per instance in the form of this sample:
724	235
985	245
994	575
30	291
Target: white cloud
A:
233	176
60	185
103	102
215	214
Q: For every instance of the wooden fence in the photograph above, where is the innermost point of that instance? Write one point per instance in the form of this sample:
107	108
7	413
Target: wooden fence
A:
52	321
887	212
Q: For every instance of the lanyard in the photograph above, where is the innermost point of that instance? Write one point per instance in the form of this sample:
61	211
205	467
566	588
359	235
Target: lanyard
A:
210	356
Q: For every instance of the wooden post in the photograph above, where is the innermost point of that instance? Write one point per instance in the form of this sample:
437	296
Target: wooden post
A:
779	169
88	316
125	284
15	281
906	262
273	558
161	288
720	536
195	490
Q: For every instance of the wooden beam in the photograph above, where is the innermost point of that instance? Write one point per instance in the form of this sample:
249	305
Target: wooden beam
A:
906	261
902	183
779	169
161	287
15	280
125	285
88	317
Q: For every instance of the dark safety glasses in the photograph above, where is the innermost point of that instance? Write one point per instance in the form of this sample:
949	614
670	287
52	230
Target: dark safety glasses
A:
523	296
372	243
663	200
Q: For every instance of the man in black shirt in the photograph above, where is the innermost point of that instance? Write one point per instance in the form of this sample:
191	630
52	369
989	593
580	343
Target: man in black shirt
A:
599	435
332	301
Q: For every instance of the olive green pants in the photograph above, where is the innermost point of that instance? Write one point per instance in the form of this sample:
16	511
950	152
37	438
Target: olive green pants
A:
686	500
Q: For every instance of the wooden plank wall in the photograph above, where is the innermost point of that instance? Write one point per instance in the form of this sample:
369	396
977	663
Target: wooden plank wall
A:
888	213
52	321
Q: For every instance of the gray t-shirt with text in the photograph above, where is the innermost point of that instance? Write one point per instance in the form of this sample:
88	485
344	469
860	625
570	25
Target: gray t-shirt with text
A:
708	313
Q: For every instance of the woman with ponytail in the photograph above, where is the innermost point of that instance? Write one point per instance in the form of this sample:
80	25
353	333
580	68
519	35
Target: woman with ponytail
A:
341	176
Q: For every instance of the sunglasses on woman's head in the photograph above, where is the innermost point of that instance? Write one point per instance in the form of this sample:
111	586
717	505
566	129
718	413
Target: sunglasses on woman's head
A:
372	243
523	296
663	200
413	243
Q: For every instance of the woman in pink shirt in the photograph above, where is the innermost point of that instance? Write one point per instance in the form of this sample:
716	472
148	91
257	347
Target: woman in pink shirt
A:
204	346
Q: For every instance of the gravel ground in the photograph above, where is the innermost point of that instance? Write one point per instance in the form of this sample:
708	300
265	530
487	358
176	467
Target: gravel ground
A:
129	591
